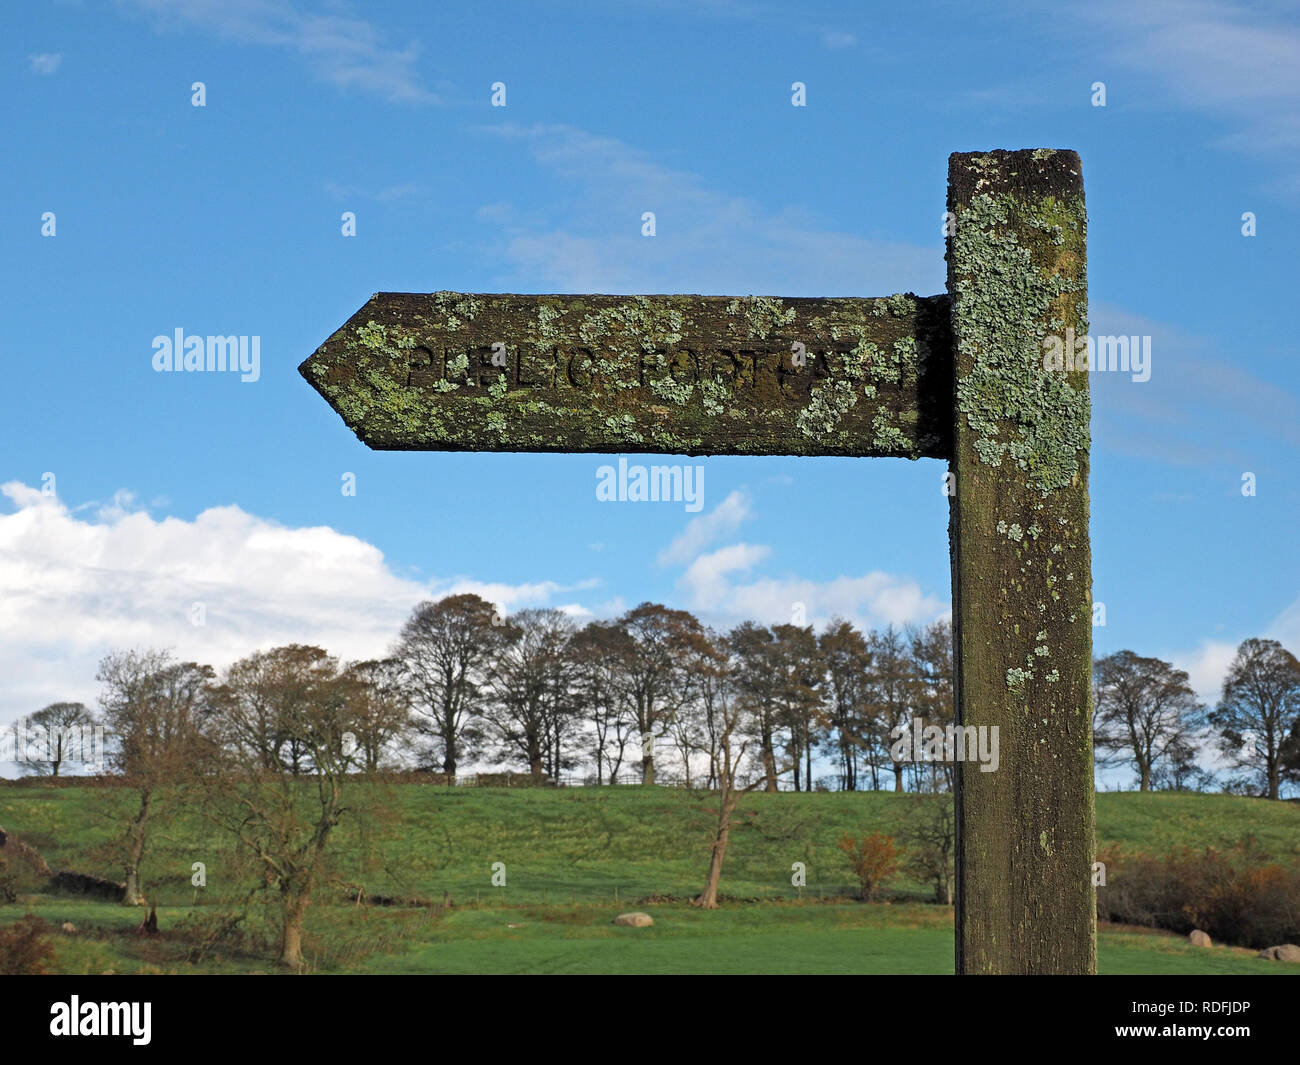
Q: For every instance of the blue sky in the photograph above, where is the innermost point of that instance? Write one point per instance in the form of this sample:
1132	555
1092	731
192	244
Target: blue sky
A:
176	489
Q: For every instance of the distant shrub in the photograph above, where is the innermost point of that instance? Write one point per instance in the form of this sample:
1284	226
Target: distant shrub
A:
25	948
874	859
1237	895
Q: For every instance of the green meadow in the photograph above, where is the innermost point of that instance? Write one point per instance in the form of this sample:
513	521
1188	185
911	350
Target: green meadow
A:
573	859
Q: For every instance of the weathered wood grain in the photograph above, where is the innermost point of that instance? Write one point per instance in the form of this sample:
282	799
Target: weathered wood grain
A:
1022	607
692	375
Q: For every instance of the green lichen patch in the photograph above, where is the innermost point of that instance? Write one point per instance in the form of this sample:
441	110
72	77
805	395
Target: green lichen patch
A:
761	314
636	323
1019	412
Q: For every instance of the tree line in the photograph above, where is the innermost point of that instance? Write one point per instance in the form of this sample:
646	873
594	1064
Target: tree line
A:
613	700
538	692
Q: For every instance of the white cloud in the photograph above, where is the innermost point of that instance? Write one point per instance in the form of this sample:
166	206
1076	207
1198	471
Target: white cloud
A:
1206	667
871	601
713	585
343	50
707	528
706	578
76	584
723	589
779	20
45	63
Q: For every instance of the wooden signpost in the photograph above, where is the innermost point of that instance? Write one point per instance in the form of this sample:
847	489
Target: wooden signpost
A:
959	376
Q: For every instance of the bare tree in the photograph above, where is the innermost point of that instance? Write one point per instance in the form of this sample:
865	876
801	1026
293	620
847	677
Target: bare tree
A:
1179	771
381	708
758	681
653	672
528	688
595	653
847	662
798	697
891	687
932	676
283	819
443	648
738	757
1259	707
152	706
695	727
930	835
713	682
272	686
1289	755
1145	710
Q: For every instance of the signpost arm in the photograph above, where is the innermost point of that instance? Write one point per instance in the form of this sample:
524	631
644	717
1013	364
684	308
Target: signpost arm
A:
1022	602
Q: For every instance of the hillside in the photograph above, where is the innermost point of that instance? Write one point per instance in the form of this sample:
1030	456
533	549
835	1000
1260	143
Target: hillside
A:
585	844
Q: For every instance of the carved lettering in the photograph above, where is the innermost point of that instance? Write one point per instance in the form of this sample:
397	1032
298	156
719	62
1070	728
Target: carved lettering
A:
742	370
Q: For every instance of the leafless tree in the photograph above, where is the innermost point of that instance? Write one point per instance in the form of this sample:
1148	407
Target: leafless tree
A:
381	709
1259	707
529	696
285	820
712	681
595	654
653	672
932	675
798	697
891	688
444	648
848	663
1145	711
739	757
758	680
152	707
930	834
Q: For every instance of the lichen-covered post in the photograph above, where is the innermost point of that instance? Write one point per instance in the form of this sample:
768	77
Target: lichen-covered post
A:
1022	602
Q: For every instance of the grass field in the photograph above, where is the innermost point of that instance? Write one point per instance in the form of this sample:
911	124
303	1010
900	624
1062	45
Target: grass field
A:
792	939
575	858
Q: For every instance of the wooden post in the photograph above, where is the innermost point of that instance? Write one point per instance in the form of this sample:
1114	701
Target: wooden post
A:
1022	599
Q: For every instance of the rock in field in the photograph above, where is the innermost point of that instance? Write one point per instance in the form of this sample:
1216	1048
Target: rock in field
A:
1197	938
634	920
1286	952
